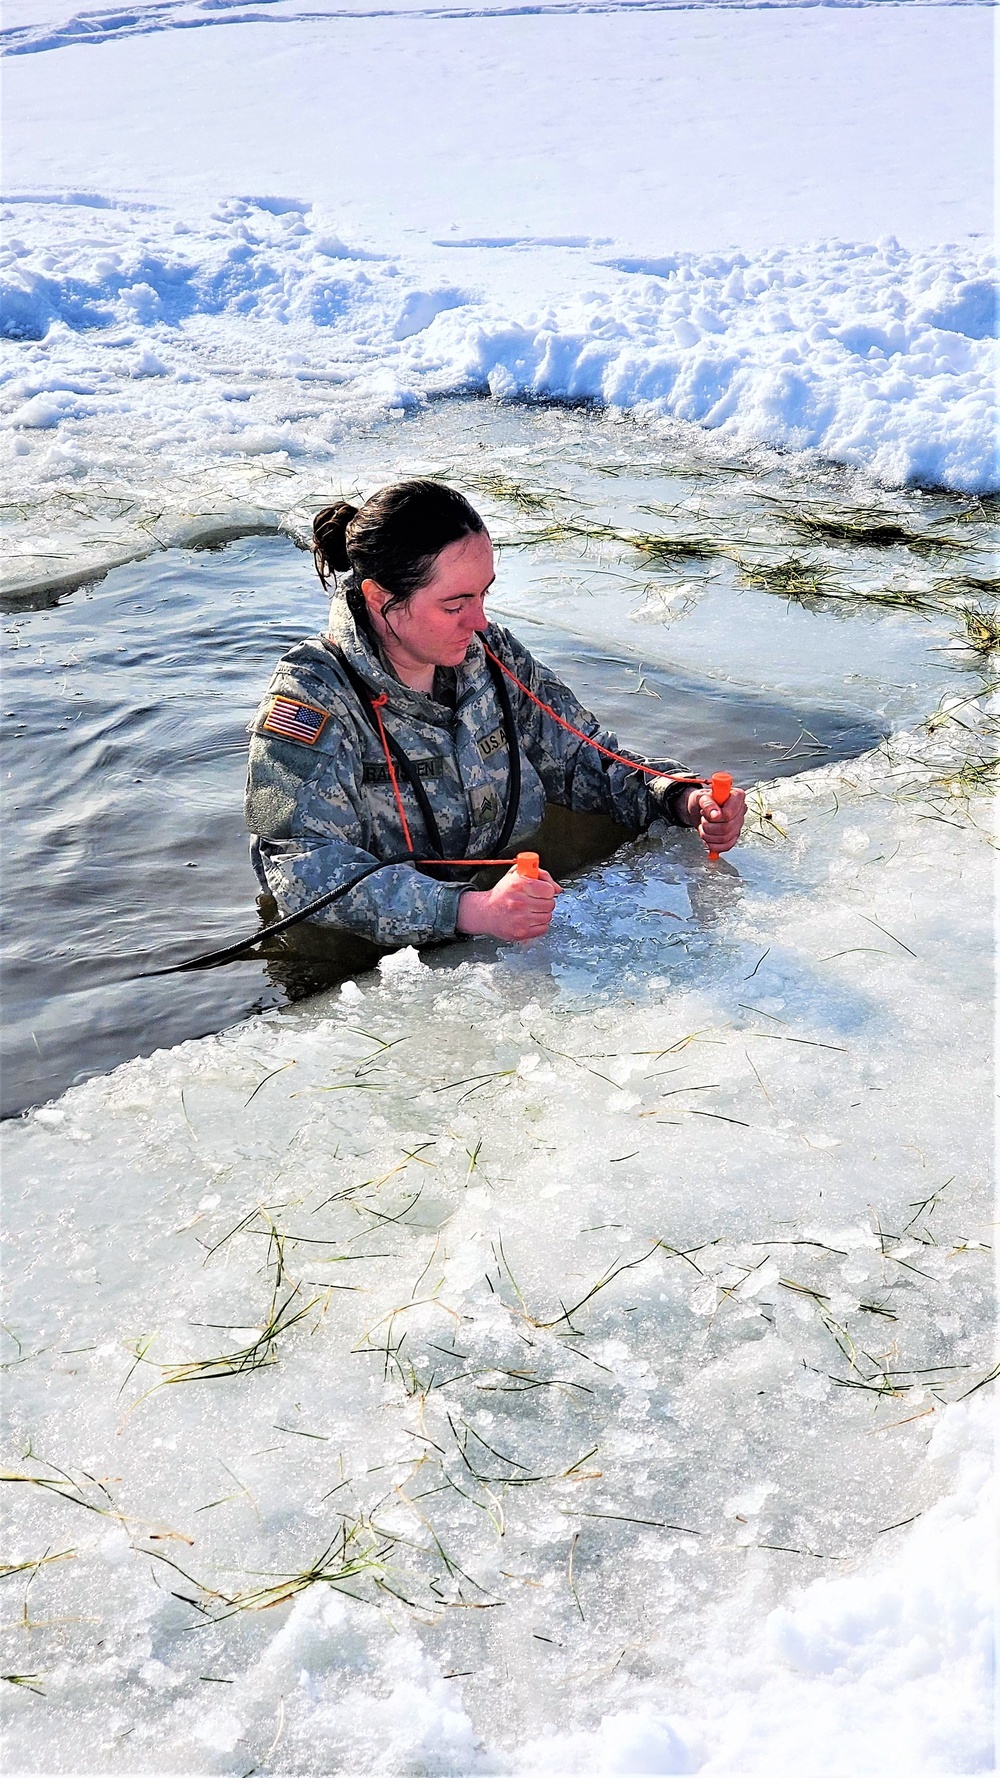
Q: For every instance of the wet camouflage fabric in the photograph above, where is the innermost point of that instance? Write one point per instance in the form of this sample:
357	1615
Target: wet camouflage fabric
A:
323	808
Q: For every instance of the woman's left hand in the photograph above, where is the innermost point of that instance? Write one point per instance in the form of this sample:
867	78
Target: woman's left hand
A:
720	828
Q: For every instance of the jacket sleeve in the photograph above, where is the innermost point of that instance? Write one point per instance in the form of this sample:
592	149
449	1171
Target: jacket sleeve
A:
573	774
306	808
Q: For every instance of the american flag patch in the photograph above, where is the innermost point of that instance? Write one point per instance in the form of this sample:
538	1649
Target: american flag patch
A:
295	721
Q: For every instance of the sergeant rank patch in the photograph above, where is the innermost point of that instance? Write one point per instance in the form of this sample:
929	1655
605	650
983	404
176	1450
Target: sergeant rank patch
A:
295	721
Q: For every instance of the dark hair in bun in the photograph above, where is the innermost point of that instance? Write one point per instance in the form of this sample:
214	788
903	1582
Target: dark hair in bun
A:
393	539
330	539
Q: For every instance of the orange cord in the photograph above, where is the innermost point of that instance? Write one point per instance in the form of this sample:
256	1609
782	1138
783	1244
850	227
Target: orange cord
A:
482	862
527	862
378	705
619	758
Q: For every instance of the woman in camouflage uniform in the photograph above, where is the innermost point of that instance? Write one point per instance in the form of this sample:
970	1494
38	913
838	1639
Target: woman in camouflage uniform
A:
399	732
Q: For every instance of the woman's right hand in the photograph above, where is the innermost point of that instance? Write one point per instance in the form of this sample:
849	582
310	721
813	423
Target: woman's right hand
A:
518	908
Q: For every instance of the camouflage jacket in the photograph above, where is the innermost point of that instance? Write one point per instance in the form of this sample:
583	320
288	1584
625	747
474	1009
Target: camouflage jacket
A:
320	802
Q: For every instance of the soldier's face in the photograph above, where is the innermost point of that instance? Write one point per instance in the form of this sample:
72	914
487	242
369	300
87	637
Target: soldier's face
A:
439	620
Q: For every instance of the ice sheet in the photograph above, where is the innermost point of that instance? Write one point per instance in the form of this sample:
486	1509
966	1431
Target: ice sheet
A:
624	1265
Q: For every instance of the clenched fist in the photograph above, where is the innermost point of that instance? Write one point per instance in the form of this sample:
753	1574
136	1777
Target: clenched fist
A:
719	827
515	908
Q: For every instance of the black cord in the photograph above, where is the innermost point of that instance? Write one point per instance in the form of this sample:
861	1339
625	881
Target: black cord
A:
230	952
513	752
365	696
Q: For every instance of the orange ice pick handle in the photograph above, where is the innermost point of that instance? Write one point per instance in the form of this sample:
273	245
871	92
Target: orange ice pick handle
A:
527	864
721	788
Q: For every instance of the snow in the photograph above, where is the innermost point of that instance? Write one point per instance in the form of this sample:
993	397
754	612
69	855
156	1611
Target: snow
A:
891	1634
879	357
699	129
802	261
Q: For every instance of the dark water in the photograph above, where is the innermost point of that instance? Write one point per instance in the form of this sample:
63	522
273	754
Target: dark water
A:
124	715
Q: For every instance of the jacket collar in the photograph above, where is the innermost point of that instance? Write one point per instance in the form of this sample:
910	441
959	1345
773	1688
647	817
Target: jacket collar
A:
368	660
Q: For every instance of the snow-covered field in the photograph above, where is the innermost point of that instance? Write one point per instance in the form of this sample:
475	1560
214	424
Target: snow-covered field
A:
773	222
645	1287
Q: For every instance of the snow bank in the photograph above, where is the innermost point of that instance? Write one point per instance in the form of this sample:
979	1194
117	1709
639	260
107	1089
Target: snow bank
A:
611	204
871	355
909	1641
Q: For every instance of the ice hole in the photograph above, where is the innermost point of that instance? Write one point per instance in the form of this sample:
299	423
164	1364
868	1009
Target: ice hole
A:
126	845
128	700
